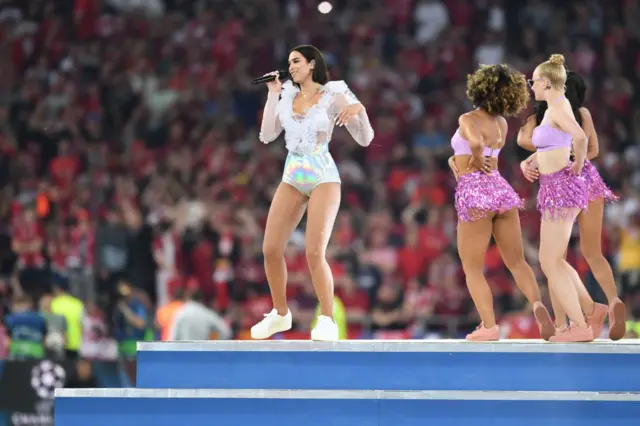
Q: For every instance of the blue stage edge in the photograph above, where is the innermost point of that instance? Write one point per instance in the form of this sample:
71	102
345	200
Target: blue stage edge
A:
369	383
388	365
147	407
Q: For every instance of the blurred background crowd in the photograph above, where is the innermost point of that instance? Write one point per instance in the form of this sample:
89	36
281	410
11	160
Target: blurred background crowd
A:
133	187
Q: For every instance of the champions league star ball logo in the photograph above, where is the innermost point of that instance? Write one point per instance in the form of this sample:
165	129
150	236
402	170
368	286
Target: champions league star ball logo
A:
46	377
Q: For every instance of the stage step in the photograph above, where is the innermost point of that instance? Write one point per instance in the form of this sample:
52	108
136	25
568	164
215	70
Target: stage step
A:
525	365
205	407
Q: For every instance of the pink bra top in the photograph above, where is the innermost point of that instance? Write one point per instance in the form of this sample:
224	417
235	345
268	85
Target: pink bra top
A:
461	147
548	138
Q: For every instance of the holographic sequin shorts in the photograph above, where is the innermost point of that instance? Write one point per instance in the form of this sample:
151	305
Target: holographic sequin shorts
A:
479	195
596	188
306	171
561	193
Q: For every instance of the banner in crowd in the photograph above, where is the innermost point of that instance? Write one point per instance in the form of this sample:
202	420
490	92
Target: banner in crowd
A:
27	387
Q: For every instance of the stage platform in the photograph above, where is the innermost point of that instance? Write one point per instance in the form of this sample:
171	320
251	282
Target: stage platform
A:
198	407
407	365
440	345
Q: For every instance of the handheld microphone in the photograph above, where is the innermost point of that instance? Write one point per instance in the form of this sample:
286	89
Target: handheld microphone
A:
282	75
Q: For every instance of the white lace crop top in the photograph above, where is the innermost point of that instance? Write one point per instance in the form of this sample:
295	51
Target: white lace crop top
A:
304	132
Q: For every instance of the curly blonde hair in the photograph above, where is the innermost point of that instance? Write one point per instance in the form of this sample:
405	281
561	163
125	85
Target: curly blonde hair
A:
498	89
554	70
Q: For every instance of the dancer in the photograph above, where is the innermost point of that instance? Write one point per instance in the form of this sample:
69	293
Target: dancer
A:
486	204
563	193
307	111
589	221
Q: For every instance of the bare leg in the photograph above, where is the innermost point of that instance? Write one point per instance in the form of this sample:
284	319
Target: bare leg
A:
590	226
508	235
473	241
554	239
321	215
586	302
285	213
558	312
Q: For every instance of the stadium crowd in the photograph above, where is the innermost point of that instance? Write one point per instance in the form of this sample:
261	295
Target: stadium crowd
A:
132	180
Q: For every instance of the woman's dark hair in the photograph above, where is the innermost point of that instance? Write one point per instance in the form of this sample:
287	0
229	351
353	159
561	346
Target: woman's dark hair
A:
498	89
575	91
311	53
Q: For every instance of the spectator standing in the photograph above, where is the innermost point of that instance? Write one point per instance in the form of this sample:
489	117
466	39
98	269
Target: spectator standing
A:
56	339
71	308
197	322
131	320
27	330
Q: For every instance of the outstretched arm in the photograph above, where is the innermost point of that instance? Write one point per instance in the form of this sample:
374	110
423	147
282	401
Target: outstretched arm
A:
271	127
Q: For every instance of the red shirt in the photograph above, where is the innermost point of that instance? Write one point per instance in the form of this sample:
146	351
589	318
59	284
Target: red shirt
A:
202	259
354	301
432	241
411	262
520	327
58	251
81	247
64	169
87	13
24	233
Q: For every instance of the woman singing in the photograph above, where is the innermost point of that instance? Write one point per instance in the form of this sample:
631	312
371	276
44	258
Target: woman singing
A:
486	204
589	221
307	109
563	192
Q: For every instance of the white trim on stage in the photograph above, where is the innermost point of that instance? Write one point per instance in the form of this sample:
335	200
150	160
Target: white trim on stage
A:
625	346
347	394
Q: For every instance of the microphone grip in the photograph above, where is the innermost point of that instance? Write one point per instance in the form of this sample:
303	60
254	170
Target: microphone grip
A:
282	74
264	79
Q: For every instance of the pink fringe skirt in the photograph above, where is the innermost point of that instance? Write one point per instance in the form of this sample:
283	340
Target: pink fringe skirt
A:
596	188
478	195
561	192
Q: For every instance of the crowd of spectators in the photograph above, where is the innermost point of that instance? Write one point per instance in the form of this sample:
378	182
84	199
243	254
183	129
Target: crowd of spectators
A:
131	175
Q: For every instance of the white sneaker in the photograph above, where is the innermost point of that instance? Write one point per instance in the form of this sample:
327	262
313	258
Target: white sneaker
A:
326	330
271	324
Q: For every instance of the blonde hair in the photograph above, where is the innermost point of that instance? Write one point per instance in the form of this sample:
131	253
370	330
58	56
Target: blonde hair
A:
554	70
